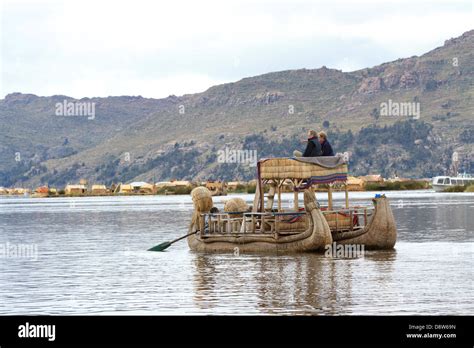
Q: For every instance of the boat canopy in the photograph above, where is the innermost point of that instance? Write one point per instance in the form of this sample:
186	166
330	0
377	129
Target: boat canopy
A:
313	170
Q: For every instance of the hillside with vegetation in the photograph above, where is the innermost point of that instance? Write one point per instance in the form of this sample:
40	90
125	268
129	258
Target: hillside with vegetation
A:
135	138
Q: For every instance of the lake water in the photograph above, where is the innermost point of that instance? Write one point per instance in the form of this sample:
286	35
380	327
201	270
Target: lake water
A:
88	256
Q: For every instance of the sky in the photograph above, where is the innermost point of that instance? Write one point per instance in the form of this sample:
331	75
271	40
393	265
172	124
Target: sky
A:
100	48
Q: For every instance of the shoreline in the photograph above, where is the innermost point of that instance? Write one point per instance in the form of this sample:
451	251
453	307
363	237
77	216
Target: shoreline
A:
229	194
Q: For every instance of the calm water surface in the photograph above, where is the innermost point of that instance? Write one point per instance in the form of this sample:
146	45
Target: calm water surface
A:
92	259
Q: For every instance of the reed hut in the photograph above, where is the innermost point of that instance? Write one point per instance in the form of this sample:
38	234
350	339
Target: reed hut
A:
142	187
75	190
122	189
98	190
355	184
372	179
180	184
41	191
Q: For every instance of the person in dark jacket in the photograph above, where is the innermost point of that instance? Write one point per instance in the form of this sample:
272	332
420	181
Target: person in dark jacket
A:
313	147
325	146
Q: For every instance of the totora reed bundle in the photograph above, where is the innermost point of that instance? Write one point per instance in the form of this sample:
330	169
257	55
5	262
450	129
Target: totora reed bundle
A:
235	204
202	199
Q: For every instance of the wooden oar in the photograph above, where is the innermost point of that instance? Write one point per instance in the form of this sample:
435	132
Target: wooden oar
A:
165	245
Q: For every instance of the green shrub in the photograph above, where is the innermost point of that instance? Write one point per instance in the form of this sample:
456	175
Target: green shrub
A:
251	188
393	186
174	190
161	191
457	188
240	188
414	185
372	187
460	188
182	190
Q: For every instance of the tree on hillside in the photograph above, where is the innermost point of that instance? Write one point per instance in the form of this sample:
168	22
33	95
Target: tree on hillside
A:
375	114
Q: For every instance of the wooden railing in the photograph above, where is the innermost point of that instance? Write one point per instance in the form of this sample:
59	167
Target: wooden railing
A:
270	222
358	212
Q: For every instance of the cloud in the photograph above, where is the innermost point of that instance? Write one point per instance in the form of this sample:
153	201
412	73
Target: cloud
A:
151	48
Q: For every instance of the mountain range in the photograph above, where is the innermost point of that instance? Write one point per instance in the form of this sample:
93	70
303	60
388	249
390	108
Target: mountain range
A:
367	113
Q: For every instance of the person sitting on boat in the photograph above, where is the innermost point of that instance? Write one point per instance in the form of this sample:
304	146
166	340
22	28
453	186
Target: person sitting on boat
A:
313	147
325	146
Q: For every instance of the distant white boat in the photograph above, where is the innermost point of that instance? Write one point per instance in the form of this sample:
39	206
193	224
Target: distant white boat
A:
440	183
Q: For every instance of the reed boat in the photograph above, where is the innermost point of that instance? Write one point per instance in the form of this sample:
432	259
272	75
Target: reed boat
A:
268	227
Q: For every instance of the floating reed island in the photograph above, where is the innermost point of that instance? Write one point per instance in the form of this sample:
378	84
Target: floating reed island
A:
265	227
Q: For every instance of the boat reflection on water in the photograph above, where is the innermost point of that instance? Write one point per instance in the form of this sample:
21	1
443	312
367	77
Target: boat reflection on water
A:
301	284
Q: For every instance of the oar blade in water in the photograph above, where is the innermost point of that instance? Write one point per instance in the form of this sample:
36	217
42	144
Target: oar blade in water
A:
160	247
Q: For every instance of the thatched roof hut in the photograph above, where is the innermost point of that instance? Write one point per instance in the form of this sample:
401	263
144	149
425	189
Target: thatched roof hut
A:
75	189
98	189
355	184
372	179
